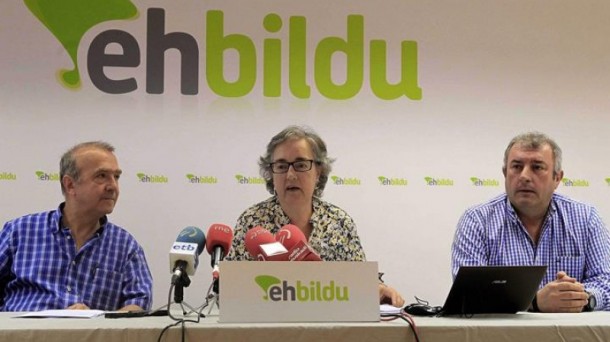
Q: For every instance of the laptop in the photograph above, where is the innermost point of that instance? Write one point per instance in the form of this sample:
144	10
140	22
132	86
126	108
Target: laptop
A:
493	289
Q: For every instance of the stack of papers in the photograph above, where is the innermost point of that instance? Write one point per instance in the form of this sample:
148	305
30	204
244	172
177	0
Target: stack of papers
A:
387	309
62	314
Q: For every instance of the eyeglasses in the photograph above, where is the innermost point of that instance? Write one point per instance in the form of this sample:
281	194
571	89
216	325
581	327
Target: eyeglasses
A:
298	166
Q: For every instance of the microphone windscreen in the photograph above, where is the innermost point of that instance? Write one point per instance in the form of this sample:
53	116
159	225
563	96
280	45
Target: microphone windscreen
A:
290	235
255	237
192	235
219	235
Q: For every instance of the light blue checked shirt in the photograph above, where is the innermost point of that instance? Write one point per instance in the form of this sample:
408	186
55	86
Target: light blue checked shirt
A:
573	239
40	268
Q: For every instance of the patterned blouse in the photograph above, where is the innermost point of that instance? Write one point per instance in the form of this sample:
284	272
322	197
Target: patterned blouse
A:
334	236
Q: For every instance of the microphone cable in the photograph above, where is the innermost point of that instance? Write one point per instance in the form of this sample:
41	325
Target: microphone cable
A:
178	320
405	317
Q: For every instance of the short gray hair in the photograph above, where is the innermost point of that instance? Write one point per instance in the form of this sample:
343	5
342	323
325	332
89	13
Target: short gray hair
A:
534	141
317	146
67	164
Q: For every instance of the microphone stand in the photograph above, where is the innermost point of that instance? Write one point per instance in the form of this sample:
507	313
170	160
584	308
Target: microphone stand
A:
212	296
179	284
213	290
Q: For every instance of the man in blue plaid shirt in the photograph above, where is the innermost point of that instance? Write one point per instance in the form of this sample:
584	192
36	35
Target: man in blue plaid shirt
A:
73	257
532	225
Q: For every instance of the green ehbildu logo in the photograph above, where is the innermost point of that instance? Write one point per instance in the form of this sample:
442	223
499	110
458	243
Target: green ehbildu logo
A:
8	176
344	181
278	290
201	179
438	181
574	182
144	178
45	176
249	180
69	20
484	182
608	180
392	181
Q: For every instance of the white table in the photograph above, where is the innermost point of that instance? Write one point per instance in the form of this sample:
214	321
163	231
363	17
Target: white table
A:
521	327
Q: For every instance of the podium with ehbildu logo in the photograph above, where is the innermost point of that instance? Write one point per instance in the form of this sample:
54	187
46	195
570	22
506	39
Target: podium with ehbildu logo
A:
285	291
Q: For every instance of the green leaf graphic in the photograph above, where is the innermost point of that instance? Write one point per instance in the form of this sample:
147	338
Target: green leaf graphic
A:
265	281
69	20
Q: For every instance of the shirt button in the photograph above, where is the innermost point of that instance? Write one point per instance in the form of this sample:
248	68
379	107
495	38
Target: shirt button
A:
69	289
73	262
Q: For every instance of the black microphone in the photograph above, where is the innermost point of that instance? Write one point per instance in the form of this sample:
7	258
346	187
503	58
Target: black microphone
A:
184	254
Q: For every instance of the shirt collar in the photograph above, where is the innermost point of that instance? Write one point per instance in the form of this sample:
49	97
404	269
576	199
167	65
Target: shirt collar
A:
281	219
512	214
58	214
315	215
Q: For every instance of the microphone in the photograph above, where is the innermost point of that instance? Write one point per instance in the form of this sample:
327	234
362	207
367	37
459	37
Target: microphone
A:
262	246
220	237
290	235
184	254
295	242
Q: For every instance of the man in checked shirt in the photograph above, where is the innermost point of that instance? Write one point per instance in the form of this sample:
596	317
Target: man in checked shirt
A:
73	257
532	225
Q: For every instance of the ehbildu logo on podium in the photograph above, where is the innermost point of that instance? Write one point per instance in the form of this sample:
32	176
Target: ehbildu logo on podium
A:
286	291
277	290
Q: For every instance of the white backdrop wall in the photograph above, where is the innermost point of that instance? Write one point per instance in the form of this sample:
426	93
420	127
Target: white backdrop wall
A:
488	70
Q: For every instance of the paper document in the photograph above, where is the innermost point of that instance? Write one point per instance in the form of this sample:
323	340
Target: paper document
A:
387	309
62	314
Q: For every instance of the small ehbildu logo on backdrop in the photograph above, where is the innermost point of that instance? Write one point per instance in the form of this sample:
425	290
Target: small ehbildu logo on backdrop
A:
336	180
476	181
201	179
392	181
575	182
8	176
438	181
241	179
144	178
47	176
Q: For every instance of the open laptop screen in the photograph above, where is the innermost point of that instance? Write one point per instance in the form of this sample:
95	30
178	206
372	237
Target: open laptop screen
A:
493	289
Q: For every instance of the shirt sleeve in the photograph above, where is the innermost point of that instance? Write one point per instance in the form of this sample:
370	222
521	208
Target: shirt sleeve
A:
137	286
597	262
469	243
5	261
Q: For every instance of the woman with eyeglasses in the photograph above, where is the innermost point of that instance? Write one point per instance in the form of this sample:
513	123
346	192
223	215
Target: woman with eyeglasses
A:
296	168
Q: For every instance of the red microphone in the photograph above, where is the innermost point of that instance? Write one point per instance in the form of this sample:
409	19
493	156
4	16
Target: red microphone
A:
261	245
295	242
255	237
220	237
290	235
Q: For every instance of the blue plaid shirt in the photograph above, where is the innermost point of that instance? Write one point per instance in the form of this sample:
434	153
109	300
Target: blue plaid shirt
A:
573	239
40	268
